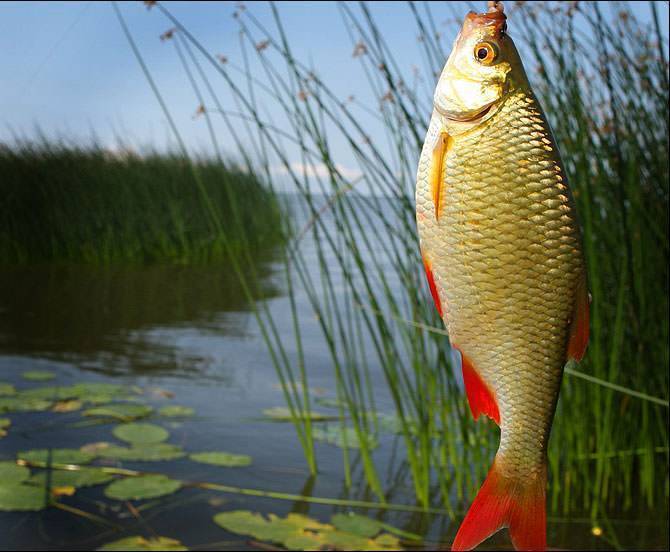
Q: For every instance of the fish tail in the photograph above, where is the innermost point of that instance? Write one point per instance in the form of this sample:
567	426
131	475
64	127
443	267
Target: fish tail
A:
504	501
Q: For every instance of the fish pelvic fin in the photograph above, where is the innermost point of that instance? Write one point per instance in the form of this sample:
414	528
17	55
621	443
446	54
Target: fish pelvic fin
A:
480	396
504	501
579	326
431	284
442	145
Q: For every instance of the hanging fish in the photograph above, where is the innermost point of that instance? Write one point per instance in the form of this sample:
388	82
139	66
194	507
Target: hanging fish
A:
502	252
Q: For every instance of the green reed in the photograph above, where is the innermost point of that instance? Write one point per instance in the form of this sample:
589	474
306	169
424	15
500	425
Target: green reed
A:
603	82
62	202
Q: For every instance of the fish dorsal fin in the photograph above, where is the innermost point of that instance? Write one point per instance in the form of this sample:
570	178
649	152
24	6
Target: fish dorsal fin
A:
480	396
579	325
440	150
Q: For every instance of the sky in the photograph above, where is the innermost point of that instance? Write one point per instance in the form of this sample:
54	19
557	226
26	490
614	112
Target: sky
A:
68	70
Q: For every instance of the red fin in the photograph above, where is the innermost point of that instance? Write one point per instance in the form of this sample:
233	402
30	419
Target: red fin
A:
432	286
480	396
579	327
506	502
442	145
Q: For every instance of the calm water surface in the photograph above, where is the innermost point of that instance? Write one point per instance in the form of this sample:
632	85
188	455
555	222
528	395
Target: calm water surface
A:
186	332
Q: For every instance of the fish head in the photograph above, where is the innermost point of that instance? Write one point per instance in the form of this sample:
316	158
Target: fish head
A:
480	71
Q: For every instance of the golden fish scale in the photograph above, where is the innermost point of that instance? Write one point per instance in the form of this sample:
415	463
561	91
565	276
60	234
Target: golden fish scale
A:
506	258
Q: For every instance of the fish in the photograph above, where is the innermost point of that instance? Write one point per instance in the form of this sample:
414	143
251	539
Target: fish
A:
502	251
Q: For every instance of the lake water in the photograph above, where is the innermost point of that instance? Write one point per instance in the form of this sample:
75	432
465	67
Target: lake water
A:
186	336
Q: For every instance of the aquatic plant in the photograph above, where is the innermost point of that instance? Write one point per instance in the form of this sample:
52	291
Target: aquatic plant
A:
63	202
589	67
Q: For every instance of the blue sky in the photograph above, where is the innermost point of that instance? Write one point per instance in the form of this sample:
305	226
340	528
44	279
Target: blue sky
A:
68	69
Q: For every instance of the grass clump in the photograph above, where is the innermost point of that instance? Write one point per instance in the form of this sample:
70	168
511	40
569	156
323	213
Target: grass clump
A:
62	202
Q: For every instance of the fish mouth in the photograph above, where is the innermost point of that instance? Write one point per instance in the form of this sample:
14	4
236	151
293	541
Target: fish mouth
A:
467	117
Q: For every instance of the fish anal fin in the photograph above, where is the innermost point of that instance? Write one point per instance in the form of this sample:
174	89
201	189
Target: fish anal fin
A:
431	284
579	326
442	145
480	396
505	501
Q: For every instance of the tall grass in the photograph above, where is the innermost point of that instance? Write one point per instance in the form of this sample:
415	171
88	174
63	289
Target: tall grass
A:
67	203
603	81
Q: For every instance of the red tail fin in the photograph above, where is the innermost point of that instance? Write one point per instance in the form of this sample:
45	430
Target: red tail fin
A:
505	502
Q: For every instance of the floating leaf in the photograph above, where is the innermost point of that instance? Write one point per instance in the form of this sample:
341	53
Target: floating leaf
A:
38	375
120	411
95	388
67	406
67	490
15	496
12	472
58	456
341	437
358	525
6	389
137	543
243	522
151	452
83	477
95	448
299	532
283	414
221	459
141	487
4	424
140	433
176	411
51	393
17	404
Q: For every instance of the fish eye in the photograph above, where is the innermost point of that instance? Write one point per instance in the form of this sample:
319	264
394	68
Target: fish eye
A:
485	53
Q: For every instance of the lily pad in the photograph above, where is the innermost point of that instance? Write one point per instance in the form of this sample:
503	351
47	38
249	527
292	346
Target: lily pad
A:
67	406
4	424
38	375
95	388
140	433
83	477
142	487
15	496
12	472
140	544
341	437
151	452
221	459
52	393
299	532
243	522
283	414
120	411
58	456
358	525
176	411
17	404
6	389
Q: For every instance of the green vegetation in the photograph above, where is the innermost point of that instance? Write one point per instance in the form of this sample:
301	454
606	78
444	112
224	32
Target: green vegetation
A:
66	203
603	79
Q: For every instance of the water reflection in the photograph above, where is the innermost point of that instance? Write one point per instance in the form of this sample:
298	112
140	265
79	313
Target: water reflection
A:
124	319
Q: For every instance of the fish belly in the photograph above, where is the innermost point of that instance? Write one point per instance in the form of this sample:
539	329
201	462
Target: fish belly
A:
506	260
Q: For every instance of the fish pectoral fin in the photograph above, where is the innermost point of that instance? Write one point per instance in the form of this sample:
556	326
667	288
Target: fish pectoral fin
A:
507	502
579	325
442	145
480	396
